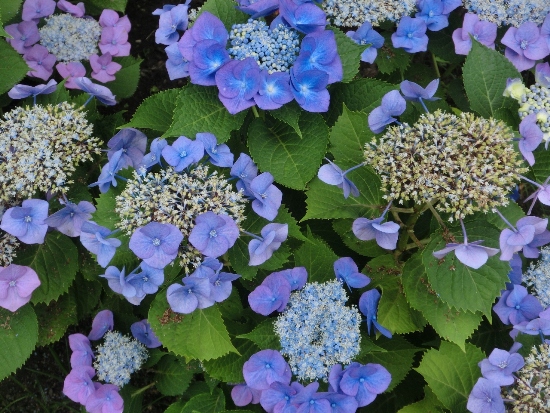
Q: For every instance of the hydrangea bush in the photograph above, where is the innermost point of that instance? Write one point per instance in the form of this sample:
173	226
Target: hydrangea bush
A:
342	209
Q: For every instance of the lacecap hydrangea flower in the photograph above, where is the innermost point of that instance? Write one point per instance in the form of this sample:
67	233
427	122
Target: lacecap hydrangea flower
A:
69	38
349	13
509	12
256	64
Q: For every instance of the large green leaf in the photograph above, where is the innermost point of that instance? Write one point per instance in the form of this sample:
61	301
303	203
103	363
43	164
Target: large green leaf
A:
12	67
127	78
429	404
172	376
541	168
56	263
348	137
460	286
199	109
291	159
327	201
264	336
118	5
226	10
155	112
200	335
18	337
349	52
485	74
318	259
451	373
451	324
54	319
229	368
390	59
289	114
8	10
206	403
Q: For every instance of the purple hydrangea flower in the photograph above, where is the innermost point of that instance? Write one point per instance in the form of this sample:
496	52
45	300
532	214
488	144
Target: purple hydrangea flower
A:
195	293
392	105
368	304
296	277
78	385
411	35
310	89
309	401
36	9
280	397
341	403
70	71
274	90
542	70
166	8
347	272
23	91
470	254
206	27
332	174
531	233
76	10
485	397
154	156
207	58
414	92
219	155
525	45
24	35
110	18
69	219
385	234
264	368
102	322
27	221
272	294
483	31
318	51
305	17
366	35
17	283
183	152
114	40
105	399
213	234
243	395
148	280
500	365
101	93
103	67
221	286
538	326
245	170
531	137
170	22
272	237
142	332
365	382
267	197
156	244
118	283
82	354
40	61
238	82
94	238
258	8
176	65
133	144
516	306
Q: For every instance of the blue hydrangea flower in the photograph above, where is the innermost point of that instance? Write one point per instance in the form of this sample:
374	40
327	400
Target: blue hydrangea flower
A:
105	398
500	365
414	92
296	277
280	396
245	170
274	90
411	35
332	174
219	155
154	156
238	82
243	395
262	249
94	238
193	294
102	322
516	306
347	272
531	137
365	382
101	93
170	22
432	12
392	105
133	144
208	57
271	295
27	221
78	385
258	8
148	280
318	51
69	219
305	17
213	234
108	174
309	89
156	244
23	91
483	31
385	234
368	304
366	35
485	397
82	353
267	197
182	153
141	330
221	286
118	283
266	367
176	65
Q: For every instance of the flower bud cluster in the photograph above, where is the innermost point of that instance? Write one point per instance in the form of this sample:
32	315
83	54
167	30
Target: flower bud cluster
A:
70	38
537	100
175	198
464	164
538	277
509	12
351	13
8	246
318	331
40	147
274	50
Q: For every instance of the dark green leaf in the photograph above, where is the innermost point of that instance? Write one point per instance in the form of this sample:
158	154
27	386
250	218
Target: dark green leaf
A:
289	114
318	259
390	59
229	368
349	52
173	376
264	336
54	319
226	10
206	403
8	10
12	67
348	137
127	78
155	112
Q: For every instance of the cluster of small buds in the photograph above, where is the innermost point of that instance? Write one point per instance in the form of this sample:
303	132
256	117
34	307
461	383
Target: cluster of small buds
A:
464	164
274	50
177	198
193	14
537	100
70	38
40	147
538	277
8	247
349	13
318	331
118	357
531	392
509	12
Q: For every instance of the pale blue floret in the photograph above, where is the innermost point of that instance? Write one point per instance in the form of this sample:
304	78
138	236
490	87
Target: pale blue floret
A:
353	13
274	50
318	331
118	357
69	38
509	12
538	277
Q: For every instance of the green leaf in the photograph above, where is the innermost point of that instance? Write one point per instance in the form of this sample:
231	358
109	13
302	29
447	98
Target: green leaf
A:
289	114
451	324
133	399
205	403
18	337
54	319
348	137
200	335
229	368
172	376
127	78
239	258
327	201
118	5
512	212
176	407
366	248
8	10
263	336
3	33
360	95
485	74
318	259
12	67
155	112
398	357
349	52
429	404
291	159
199	109
394	312
88	292
227	12
390	59
451	373
541	168
461	286
56	263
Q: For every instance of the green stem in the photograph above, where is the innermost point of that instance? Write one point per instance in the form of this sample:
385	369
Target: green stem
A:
58	361
255	112
141	390
422	242
51	376
403	210
409	233
436	67
436	215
